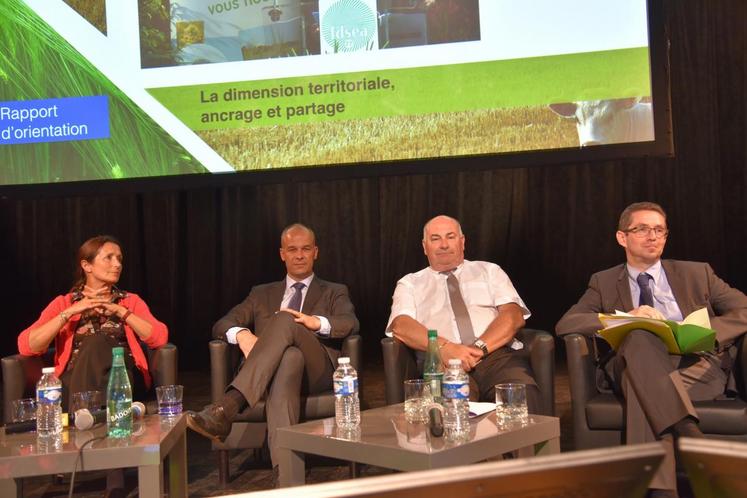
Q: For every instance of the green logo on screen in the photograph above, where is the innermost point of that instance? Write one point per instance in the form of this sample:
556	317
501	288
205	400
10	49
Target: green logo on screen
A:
349	26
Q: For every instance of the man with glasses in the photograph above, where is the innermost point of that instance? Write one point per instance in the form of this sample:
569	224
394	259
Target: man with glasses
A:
659	387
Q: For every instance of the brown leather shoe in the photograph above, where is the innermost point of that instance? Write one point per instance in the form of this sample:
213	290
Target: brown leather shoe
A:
211	422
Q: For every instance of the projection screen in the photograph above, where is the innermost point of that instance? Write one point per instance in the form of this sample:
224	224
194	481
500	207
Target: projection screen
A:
122	89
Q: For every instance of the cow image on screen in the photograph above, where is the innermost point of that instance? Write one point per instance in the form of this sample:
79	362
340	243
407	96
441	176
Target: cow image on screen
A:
600	122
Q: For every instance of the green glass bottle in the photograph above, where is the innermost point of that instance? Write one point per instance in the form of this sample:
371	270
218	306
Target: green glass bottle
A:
118	398
433	369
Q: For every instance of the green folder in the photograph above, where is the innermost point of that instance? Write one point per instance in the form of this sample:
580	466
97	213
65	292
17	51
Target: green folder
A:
692	335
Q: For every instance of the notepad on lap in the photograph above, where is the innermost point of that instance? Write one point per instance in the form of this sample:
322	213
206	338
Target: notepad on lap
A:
691	335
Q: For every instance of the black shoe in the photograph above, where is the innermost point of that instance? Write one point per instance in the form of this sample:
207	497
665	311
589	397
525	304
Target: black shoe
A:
275	477
115	493
661	493
211	422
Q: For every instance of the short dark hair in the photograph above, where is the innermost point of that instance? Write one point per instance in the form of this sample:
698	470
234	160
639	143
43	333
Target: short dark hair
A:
87	252
627	213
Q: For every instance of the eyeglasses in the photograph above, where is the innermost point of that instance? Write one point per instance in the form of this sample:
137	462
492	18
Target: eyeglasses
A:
642	231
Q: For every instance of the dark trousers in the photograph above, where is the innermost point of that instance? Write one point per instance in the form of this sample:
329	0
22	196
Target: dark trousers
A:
286	361
502	366
659	389
90	371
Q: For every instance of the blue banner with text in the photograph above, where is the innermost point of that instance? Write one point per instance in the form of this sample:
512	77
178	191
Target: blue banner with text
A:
54	120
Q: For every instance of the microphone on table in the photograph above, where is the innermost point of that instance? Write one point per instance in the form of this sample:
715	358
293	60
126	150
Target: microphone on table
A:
85	418
19	427
436	421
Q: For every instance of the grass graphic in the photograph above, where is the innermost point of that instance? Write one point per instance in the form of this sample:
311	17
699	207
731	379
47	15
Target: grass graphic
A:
36	63
393	138
449	88
94	11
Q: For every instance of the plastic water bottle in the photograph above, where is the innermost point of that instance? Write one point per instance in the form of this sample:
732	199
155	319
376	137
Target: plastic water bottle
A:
433	368
347	404
456	401
48	404
118	398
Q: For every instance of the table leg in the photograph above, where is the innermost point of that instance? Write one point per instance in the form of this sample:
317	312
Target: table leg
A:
177	464
11	487
292	467
150	481
549	447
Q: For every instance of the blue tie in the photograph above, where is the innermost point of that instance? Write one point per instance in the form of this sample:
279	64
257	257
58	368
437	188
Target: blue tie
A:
295	301
646	296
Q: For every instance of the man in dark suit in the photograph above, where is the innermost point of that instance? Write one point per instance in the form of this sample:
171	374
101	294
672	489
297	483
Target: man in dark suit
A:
289	333
658	387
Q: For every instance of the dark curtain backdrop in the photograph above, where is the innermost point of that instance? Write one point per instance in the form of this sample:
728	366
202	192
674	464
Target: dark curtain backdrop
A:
192	254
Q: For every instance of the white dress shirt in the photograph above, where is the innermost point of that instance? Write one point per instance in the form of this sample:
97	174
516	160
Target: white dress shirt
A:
664	300
424	296
323	331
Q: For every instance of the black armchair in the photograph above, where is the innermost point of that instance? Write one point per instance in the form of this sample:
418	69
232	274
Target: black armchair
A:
21	373
249	429
539	346
598	418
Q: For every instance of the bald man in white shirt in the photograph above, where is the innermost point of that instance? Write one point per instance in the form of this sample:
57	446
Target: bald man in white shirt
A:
422	301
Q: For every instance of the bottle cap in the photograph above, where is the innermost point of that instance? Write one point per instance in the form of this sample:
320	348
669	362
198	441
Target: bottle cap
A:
343	360
118	356
432	333
455	362
48	370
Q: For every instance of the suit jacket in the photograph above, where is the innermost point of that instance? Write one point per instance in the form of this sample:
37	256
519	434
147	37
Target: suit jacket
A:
323	298
693	284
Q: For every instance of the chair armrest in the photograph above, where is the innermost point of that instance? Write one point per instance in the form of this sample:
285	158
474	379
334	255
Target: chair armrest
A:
740	367
20	374
581	369
541	345
221	371
352	347
164	365
399	365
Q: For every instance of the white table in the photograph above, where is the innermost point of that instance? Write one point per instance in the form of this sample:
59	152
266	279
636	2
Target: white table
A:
153	441
386	440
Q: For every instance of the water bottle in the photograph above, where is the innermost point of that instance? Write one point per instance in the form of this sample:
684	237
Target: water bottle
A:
118	398
347	405
433	369
456	400
48	404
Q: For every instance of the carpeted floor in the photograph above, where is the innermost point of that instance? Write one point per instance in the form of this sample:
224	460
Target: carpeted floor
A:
249	472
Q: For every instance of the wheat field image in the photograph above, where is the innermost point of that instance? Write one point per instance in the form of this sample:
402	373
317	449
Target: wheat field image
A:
393	138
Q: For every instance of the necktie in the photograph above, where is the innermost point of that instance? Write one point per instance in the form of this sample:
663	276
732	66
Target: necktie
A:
646	296
464	324
295	301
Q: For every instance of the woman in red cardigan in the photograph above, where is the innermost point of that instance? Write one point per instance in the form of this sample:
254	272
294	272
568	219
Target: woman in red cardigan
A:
91	319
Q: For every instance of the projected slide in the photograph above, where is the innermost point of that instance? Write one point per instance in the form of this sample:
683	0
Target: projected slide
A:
99	89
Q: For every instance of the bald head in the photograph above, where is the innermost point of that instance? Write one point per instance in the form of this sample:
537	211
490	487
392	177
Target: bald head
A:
443	243
297	228
298	250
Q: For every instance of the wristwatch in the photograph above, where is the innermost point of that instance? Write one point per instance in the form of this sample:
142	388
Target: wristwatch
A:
479	343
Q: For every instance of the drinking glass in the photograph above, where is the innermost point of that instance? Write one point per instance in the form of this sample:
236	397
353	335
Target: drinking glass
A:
511	405
88	400
24	410
169	400
417	399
